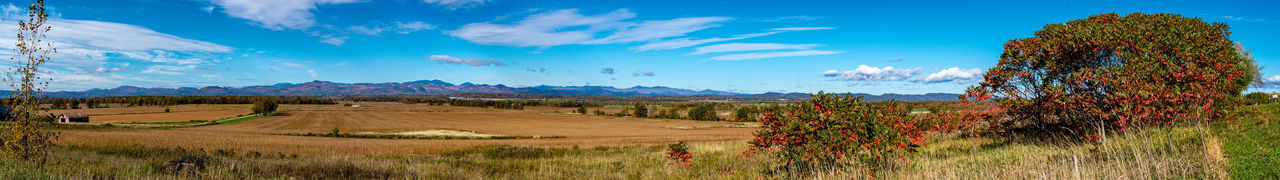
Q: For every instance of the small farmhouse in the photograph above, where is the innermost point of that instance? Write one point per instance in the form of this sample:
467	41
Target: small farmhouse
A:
76	117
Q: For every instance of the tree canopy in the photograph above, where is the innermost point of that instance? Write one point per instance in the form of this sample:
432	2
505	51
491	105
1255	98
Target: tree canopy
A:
1117	71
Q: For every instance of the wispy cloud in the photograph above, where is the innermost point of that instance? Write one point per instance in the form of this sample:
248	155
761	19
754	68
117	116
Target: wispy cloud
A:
1246	19
868	73
89	44
953	74
802	28
607	70
314	75
409	27
1271	82
399	28
334	40
175	70
642	73
564	27
735	47
467	61
276	14
689	42
456	4
366	30
794	19
763	55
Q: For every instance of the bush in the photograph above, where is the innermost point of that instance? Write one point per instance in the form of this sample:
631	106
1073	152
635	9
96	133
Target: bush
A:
582	109
1113	72
704	112
264	107
746	113
678	153
828	130
641	110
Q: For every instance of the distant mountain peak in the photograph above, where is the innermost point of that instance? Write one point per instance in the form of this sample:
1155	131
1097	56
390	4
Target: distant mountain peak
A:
437	87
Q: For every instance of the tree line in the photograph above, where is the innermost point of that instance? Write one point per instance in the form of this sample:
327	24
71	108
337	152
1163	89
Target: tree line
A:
101	102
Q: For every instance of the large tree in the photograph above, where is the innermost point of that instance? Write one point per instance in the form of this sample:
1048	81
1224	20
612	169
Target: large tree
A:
1112	71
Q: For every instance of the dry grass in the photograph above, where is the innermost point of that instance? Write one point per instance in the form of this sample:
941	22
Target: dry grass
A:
1161	153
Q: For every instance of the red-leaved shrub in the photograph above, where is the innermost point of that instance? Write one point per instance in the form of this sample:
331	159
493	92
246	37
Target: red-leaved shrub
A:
829	130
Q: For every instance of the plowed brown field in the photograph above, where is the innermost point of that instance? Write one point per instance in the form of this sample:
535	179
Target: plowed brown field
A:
176	113
262	134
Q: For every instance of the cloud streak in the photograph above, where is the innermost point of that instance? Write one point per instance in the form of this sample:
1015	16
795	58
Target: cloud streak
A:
467	61
568	26
868	73
456	4
735	47
276	14
765	55
689	42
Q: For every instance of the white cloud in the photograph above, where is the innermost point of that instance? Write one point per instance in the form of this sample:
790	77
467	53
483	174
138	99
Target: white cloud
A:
109	70
1271	82
802	28
406	28
735	47
642	73
276	14
290	64
868	73
89	44
400	27
374	31
314	75
564	27
456	4
63	80
688	42
952	74
467	61
762	55
794	19
331	40
175	70
607	70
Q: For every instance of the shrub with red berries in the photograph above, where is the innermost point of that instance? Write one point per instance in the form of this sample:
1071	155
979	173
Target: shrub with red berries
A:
679	154
829	130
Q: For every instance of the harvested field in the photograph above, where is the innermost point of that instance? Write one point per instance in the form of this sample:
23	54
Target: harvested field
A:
177	113
262	134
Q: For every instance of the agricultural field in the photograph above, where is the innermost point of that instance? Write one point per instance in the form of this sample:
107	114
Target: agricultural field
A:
541	125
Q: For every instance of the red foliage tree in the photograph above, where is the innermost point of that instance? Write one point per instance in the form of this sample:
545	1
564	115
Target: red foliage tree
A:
1113	72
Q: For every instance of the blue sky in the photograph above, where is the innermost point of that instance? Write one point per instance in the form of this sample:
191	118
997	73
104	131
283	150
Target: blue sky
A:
876	47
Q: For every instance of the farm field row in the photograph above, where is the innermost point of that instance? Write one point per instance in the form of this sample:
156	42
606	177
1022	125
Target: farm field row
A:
265	134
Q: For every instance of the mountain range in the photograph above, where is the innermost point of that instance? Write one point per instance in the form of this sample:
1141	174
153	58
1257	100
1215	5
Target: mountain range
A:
437	87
